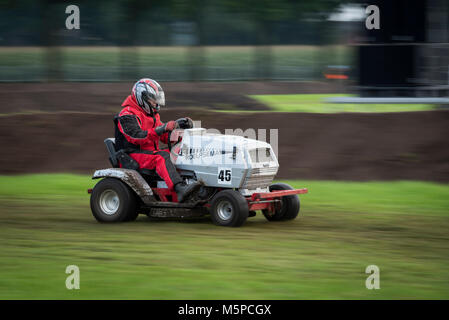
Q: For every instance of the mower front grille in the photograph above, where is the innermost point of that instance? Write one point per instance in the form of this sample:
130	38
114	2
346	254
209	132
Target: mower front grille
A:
260	155
259	178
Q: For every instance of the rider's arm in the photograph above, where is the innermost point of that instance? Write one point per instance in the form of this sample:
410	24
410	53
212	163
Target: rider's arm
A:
183	123
163	129
130	125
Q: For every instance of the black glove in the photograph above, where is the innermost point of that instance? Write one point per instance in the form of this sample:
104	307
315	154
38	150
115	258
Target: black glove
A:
169	126
185	123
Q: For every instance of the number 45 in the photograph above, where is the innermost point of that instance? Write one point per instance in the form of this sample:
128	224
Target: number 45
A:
224	175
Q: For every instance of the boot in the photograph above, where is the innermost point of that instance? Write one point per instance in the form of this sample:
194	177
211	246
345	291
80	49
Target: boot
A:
183	190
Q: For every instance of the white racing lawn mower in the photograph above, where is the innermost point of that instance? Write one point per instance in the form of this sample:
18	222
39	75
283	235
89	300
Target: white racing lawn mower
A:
235	175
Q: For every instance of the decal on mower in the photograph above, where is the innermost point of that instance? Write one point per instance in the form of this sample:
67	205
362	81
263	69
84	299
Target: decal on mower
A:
196	153
224	175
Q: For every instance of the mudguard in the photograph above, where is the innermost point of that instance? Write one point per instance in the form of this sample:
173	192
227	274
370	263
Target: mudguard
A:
132	178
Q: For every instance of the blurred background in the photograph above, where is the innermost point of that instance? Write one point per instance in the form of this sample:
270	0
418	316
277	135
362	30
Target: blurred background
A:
225	40
362	120
231	57
176	40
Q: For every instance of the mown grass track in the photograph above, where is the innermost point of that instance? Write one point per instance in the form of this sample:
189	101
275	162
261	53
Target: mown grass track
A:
402	227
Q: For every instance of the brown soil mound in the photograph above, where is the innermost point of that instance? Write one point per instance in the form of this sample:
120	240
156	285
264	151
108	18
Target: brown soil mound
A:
107	97
311	146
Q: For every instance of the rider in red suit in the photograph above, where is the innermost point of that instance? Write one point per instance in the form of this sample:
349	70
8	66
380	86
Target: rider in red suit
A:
139	130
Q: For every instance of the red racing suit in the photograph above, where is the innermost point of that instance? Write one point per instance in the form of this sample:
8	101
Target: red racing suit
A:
136	134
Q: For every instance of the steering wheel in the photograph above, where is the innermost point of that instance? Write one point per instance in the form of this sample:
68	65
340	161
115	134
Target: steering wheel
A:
182	123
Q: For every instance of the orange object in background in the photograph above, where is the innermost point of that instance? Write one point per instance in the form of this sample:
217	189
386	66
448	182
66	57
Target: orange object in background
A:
337	72
336	76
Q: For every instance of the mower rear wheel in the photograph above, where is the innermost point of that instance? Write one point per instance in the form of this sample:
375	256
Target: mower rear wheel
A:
229	209
113	201
289	206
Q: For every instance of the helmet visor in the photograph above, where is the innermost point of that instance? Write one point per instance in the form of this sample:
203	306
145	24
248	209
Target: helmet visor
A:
160	98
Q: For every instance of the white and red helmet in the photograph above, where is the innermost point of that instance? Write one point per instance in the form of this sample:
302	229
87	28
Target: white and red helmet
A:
145	90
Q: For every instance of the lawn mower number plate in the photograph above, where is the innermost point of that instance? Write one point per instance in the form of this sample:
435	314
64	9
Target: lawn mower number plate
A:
224	175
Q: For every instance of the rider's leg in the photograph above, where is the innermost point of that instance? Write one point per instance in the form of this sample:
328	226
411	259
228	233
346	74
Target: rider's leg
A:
161	162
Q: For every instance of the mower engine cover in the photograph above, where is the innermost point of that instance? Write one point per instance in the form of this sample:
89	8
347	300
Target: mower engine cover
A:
226	161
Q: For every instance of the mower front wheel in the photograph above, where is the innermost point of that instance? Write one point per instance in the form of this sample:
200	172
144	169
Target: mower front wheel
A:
288	208
113	201
229	209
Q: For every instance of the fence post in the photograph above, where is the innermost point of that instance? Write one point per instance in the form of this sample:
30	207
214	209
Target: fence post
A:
51	40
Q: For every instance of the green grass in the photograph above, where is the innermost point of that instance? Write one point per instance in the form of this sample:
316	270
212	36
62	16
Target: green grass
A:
172	63
315	103
402	227
178	56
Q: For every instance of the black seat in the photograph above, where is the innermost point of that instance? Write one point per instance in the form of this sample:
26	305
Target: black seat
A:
110	145
113	158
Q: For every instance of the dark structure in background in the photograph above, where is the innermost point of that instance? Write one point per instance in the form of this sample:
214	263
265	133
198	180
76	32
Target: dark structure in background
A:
409	54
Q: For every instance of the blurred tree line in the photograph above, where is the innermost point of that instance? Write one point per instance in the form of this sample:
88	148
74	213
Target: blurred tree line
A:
192	23
137	22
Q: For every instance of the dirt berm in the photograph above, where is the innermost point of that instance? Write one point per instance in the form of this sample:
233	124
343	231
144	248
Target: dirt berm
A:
311	146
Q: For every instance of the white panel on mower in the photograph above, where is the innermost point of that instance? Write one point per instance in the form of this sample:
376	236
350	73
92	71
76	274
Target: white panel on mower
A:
227	161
